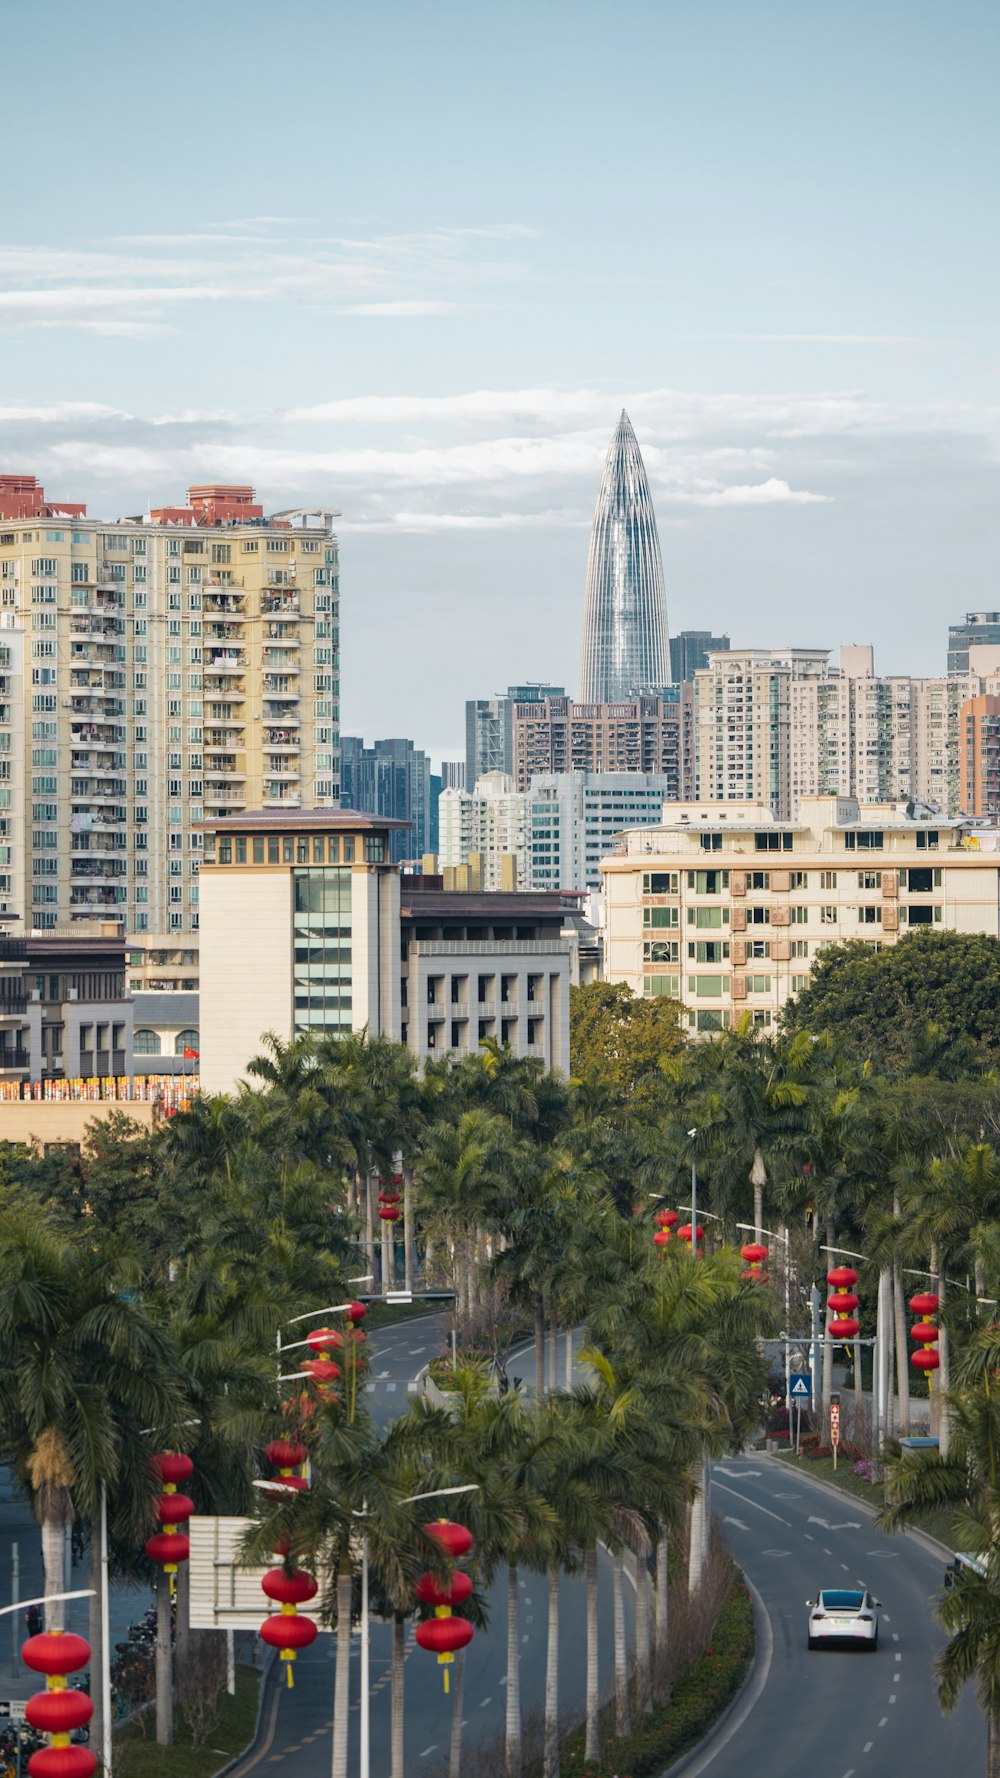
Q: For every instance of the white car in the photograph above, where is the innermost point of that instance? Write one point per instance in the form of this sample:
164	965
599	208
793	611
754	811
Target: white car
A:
840	1614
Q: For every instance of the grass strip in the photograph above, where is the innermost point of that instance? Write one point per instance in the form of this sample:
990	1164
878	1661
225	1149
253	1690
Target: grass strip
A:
138	1756
698	1698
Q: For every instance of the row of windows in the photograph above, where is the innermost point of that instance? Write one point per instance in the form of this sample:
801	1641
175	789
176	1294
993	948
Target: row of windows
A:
314	848
147	1043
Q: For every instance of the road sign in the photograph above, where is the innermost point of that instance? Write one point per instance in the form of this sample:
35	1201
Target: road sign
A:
801	1386
835	1420
12	1709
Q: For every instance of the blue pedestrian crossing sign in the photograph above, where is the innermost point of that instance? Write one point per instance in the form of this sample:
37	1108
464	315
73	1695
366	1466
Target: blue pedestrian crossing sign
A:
801	1386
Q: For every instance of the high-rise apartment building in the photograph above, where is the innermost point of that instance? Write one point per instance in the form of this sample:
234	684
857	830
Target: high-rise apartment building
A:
646	734
453	774
981	628
743	724
690	649
575	819
454	828
979	755
158	671
624	646
489	728
390	778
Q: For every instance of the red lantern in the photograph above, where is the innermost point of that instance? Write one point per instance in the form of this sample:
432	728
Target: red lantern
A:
389	1213
59	1713
171	1546
924	1332
60	1761
454	1539
926	1359
285	1453
441	1636
844	1327
356	1311
432	1591
842	1278
389	1197
925	1303
755	1253
662	1238
684	1233
322	1370
666	1219
324	1340
842	1302
289	1589
57	1710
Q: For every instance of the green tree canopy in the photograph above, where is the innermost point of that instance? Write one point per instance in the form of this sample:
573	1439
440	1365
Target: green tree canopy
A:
930	1004
624	1038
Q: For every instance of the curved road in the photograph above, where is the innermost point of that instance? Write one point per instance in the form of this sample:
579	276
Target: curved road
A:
835	1713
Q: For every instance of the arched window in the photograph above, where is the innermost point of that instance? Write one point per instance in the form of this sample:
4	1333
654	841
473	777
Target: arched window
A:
146	1043
184	1042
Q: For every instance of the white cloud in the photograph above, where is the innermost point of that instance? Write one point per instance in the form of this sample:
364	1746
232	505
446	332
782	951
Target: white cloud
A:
773	492
426	522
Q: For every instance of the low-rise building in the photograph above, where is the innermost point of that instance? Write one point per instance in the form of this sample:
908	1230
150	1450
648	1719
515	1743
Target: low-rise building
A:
727	909
65	1009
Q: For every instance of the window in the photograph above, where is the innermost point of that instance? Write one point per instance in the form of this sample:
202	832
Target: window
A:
709	950
711	842
760	1018
799	982
708	987
708	917
758	984
928	841
657	950
758	879
660	917
828	916
709	1020
186	1040
146	1043
864	840
375	851
758	916
659	882
920	880
870	916
828	879
917	915
708	882
225	851
800	947
869	879
798	879
798	916
662	984
758	947
772	842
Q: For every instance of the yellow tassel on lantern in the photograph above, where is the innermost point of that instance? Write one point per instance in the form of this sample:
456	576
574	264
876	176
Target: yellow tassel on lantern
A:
447	1659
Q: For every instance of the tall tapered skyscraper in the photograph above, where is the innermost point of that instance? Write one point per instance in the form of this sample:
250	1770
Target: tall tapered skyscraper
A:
625	647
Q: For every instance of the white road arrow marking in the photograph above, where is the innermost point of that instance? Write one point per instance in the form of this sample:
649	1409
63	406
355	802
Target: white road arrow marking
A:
843	1525
738	1523
736	1475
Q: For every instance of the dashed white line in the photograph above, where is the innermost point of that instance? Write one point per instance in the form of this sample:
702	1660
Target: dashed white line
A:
845	1567
808	1538
485	1702
827	1552
427	1750
868	1747
849	1774
892	1697
883	1722
895	1638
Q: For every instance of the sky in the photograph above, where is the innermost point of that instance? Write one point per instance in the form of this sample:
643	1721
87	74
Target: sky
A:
410	261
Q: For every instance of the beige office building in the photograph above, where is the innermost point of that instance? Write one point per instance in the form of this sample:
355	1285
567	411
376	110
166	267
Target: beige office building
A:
726	910
169	668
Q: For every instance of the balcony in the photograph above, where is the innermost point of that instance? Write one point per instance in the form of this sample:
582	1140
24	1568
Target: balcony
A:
225	663
14	1061
273	605
213	799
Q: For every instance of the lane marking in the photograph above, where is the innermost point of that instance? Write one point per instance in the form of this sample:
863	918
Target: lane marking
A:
753	1691
892	1697
868	1747
827	1552
755	1504
485	1702
808	1537
427	1750
390	1388
883	1722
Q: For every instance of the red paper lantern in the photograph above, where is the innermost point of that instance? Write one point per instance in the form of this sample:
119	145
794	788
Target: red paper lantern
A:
432	1591
755	1253
173	1467
389	1213
454	1539
288	1633
63	1762
397	1179
684	1233
842	1302
275	1484
356	1311
441	1636
289	1589
925	1303
666	1219
662	1237
174	1509
55	1652
925	1332
322	1370
285	1453
324	1339
926	1359
844	1327
167	1548
389	1197
842	1278
59	1713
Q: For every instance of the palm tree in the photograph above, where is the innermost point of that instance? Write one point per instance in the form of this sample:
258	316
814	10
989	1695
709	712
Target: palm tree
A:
967	1480
754	1111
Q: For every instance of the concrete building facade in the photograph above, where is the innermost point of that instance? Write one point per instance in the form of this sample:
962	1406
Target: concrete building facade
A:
645	734
173	667
489	728
726	910
574	818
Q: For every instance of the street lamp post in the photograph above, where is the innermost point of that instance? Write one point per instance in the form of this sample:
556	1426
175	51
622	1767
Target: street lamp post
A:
408	1500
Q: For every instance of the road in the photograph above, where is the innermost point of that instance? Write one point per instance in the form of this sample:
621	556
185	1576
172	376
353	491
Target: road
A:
299	1722
835	1713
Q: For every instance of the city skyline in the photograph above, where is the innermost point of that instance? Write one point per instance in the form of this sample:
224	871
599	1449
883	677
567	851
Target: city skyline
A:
624	641
792	297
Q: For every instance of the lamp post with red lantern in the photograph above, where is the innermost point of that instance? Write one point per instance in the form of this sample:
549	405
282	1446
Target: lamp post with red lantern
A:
58	1710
